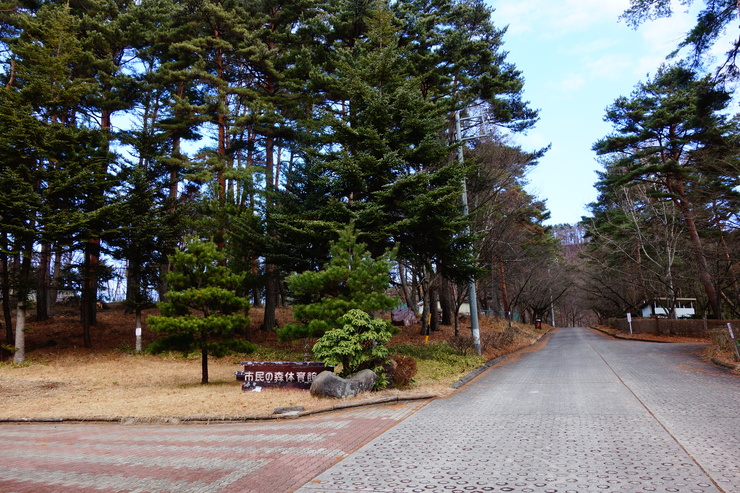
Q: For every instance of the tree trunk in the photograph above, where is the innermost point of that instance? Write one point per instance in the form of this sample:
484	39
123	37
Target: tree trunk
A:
56	276
204	364
20	319
504	295
433	311
704	276
5	292
405	288
88	305
731	266
426	295
19	356
42	283
446	301
256	296
272	292
172	193
271	275
425	316
130	304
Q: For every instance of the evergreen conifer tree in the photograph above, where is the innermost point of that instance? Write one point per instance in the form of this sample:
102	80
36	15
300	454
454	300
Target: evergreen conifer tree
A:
352	279
673	132
202	310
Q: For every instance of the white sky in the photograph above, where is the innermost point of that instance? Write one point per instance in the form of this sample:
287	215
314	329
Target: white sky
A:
577	57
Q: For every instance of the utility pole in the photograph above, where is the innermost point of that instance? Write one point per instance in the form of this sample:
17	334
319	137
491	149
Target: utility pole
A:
474	329
552	309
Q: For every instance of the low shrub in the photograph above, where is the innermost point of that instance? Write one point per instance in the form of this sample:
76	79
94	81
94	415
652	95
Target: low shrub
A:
721	338
498	340
400	370
358	344
461	344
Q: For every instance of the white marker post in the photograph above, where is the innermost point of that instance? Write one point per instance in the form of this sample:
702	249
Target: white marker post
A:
629	321
138	339
734	341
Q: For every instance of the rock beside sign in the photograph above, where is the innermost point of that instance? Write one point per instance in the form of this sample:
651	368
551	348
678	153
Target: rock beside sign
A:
327	384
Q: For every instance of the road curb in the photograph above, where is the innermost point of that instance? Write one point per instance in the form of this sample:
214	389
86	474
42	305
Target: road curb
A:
488	364
203	419
470	376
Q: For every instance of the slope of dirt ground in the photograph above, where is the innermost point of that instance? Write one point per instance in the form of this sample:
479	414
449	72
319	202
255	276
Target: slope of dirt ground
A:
62	379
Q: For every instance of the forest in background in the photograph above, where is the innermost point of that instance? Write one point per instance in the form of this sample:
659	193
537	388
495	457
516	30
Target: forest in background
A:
129	127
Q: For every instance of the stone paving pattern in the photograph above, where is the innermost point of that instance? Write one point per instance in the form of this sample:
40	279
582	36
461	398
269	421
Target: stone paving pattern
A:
259	457
585	414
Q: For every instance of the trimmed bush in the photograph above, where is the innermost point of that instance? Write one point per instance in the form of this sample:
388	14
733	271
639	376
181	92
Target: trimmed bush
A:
358	344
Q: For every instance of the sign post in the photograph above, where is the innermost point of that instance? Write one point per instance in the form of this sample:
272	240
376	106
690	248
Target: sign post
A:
629	321
735	342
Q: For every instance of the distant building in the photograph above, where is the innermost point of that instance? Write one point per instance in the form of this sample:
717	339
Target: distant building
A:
464	308
660	307
63	295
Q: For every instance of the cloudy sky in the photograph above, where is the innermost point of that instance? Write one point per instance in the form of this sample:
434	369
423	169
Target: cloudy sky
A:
577	57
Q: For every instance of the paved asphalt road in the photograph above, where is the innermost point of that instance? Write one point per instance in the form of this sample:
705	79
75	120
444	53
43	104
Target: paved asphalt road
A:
586	413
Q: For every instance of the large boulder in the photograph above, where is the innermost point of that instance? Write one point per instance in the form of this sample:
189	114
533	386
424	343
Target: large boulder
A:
327	384
403	316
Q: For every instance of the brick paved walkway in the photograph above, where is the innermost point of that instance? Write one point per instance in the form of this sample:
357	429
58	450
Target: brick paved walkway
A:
264	457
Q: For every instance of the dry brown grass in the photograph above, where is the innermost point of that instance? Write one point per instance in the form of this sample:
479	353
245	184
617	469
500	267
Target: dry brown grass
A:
116	385
63	379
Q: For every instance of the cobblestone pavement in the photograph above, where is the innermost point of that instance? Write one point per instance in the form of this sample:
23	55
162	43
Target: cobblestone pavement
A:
587	413
260	457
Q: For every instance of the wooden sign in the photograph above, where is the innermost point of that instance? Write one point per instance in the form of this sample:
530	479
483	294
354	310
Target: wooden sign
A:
280	374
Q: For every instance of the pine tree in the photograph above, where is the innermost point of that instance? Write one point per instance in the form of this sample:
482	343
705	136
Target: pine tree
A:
64	74
352	279
712	22
358	343
202	310
672	133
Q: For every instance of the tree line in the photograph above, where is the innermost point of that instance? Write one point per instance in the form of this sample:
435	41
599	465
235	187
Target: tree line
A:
666	223
129	127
